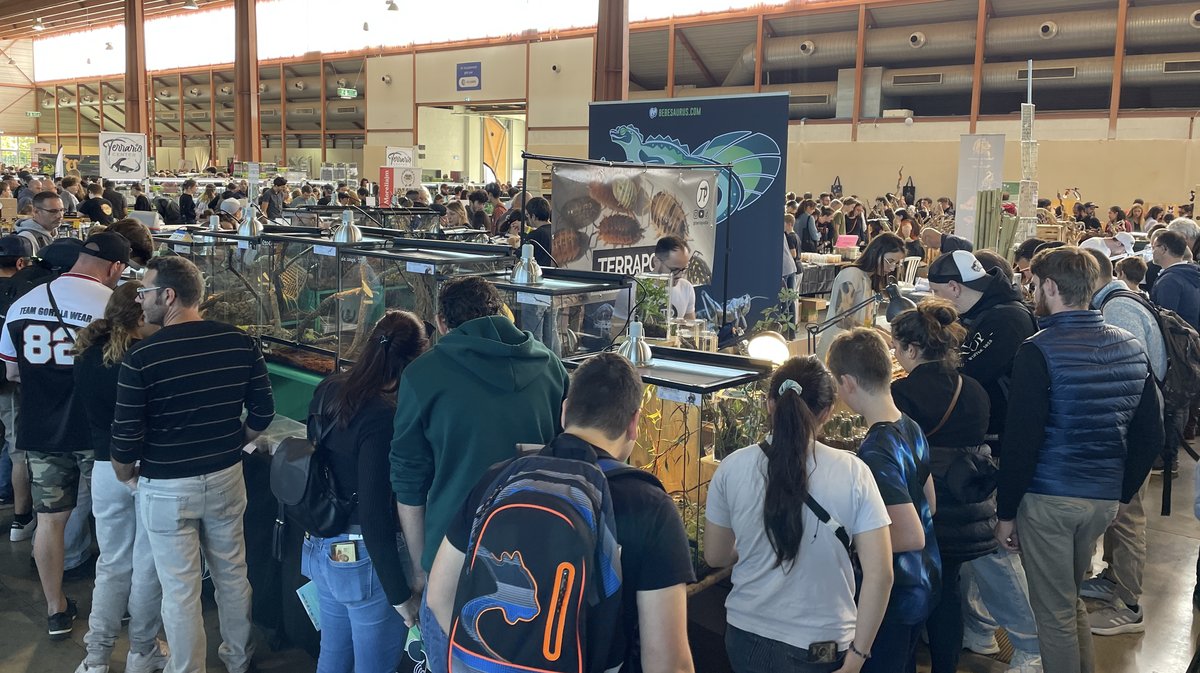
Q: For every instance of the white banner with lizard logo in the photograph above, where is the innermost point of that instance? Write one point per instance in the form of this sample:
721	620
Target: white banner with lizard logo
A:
123	156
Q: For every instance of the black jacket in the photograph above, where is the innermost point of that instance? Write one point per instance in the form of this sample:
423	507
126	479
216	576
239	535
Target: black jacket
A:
996	326
961	464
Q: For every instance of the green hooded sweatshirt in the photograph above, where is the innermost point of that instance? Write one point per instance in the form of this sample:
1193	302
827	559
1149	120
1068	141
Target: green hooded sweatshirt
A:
464	406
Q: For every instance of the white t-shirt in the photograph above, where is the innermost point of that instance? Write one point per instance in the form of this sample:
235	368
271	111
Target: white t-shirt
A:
682	294
811	600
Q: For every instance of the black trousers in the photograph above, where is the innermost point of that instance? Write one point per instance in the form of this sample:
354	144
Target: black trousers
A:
945	623
895	649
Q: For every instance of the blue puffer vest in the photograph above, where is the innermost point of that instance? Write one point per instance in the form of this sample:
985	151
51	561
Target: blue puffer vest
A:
1097	373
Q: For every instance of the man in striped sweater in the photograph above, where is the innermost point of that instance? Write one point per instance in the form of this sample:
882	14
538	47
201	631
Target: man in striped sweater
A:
178	431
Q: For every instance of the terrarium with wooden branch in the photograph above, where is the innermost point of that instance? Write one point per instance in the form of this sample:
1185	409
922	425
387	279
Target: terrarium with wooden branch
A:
697	408
406	276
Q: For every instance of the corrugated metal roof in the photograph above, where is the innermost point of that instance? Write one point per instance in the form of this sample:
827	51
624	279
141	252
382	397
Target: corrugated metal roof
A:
816	23
1026	7
923	13
718	45
648	58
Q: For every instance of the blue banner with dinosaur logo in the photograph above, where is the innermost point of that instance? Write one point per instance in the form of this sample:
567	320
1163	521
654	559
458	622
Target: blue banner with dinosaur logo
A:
747	132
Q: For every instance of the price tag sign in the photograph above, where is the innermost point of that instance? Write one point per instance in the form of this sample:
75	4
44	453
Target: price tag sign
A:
419	267
181	235
243	245
182	249
533	299
325	250
679	396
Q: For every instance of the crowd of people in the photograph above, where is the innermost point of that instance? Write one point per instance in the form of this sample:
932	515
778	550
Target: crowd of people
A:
1021	434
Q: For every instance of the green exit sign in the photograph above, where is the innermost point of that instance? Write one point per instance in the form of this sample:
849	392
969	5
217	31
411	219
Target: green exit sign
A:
347	93
33	113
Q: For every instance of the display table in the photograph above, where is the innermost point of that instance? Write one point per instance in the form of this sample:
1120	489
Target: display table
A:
293	390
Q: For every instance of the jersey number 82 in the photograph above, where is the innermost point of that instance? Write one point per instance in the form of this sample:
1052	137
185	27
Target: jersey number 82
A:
43	346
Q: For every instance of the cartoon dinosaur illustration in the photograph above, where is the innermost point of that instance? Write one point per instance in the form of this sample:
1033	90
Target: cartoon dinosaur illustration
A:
515	596
754	156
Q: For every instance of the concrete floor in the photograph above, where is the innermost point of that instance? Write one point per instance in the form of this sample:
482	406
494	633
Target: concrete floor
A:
1165	647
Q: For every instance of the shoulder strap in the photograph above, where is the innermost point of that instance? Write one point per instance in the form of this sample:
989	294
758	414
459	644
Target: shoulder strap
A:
949	410
320	423
58	314
1145	303
822	514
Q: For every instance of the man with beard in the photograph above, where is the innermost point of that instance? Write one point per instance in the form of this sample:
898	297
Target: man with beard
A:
179	412
1081	436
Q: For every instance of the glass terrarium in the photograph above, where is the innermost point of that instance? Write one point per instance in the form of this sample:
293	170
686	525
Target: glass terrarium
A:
395	220
235	279
697	408
570	311
406	276
183	243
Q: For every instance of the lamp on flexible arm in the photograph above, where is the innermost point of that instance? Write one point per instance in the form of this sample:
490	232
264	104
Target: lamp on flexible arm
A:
897	304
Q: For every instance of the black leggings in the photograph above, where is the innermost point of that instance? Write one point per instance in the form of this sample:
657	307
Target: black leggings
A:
945	623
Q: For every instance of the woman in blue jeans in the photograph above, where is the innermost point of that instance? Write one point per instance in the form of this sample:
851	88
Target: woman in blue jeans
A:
365	597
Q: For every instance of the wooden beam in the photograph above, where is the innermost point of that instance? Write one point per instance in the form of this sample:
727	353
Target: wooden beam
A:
247	138
137	112
612	51
670	60
758	55
981	18
859	62
768	29
687	44
1114	100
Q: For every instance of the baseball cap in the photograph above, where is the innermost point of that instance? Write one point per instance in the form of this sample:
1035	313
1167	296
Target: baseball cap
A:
1099	244
12	245
959	266
109	246
1089	204
61	254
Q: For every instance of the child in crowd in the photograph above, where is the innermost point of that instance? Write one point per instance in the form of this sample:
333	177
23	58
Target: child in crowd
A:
898	455
1132	271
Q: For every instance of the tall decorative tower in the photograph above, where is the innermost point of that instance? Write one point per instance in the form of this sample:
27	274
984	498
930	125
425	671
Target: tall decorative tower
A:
1027	196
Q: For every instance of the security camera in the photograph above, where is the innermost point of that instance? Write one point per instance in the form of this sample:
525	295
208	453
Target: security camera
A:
554	67
386	79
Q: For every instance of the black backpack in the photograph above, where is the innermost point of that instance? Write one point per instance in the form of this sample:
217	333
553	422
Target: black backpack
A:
168	210
303	483
540	589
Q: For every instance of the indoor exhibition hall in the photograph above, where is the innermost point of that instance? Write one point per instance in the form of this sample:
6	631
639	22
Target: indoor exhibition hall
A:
599	336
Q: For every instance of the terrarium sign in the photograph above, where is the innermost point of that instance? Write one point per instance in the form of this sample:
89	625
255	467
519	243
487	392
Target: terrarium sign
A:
608	218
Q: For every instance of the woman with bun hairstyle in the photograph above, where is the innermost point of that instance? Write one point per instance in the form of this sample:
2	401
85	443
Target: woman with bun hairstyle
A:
870	273
792	607
953	412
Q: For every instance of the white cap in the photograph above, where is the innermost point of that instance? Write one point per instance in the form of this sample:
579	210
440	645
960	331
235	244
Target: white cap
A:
1101	244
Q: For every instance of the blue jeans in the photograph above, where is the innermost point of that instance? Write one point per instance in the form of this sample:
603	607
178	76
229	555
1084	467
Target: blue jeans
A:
6	491
752	653
437	643
997	581
360	630
894	649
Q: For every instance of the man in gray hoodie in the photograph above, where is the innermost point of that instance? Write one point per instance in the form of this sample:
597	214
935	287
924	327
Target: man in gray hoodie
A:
41	228
1120	585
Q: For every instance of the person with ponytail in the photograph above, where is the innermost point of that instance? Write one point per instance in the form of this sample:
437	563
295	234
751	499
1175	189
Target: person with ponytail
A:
792	607
365	596
952	410
126	579
898	455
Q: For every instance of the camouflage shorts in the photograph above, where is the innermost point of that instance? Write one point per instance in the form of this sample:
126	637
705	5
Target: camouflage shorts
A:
54	479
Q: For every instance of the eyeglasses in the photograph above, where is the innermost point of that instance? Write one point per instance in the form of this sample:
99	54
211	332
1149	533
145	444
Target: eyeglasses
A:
141	291
676	273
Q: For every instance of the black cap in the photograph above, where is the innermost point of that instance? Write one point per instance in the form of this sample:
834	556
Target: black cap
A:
60	255
961	267
280	181
109	246
15	246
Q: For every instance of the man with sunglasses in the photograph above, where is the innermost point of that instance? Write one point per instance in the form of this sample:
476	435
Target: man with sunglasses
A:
37	347
41	228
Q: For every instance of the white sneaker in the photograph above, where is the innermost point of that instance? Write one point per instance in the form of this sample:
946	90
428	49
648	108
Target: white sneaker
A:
85	667
22	532
980	643
1098	587
151	662
1023	662
1112	620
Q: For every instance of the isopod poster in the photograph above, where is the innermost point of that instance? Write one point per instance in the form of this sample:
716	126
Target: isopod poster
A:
608	218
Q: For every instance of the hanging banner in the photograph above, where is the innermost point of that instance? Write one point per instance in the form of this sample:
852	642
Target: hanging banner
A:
608	218
387	185
747	132
87	166
404	157
36	149
980	167
123	156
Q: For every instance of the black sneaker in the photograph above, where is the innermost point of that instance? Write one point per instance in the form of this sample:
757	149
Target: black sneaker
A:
61	622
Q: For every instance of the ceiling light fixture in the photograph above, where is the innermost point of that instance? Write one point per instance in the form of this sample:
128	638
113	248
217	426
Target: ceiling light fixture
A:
108	46
38	25
12	61
391	6
191	4
365	26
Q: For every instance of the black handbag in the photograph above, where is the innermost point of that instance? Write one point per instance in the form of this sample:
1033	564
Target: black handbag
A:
303	483
909	192
836	187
